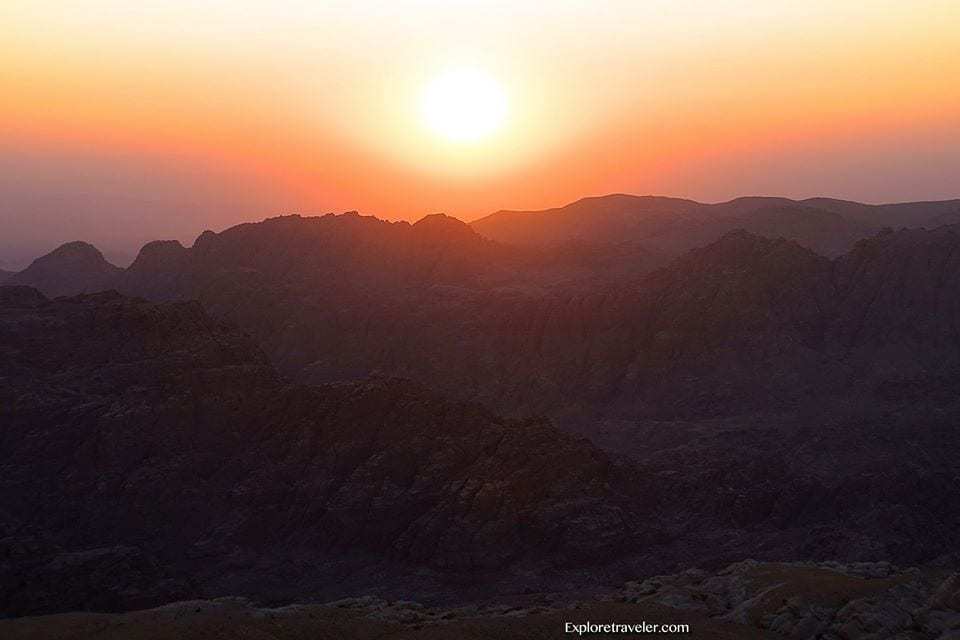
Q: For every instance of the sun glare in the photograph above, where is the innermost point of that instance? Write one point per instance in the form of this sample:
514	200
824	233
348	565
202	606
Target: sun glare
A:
464	105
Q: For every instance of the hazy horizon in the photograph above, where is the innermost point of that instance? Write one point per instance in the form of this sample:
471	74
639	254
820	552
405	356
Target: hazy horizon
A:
121	124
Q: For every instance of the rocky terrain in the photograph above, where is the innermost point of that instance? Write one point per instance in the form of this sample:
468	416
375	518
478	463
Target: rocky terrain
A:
749	599
179	463
182	465
305	409
744	324
739	325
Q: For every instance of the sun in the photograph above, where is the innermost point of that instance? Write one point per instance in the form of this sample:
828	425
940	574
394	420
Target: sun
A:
464	105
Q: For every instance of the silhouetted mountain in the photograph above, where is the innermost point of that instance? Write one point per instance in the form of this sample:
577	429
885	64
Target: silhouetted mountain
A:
150	453
604	219
75	267
670	226
4	275
331	252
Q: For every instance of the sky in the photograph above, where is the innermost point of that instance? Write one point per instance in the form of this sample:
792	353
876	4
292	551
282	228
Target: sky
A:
123	122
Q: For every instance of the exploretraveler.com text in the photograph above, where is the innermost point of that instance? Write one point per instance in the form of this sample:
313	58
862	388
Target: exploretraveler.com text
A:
584	628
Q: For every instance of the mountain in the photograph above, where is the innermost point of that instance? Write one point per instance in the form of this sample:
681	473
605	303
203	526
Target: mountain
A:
807	375
332	253
586	245
165	458
415	411
579	333
582	334
670	226
794	405
605	219
742	323
5	274
75	267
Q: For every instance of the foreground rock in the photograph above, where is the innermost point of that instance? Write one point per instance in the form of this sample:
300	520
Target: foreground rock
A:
828	601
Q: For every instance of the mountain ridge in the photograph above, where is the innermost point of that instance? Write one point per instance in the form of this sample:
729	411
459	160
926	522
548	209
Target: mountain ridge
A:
674	225
337	297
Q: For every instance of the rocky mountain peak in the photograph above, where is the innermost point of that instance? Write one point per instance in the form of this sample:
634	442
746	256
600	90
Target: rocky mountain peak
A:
74	267
75	254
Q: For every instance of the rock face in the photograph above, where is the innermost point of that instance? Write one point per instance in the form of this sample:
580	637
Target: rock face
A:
75	267
180	463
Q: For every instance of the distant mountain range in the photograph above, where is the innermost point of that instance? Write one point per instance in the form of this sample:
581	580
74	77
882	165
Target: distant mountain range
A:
669	226
609	233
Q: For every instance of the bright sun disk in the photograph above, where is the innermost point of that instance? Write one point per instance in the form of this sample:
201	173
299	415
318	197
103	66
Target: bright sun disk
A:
464	105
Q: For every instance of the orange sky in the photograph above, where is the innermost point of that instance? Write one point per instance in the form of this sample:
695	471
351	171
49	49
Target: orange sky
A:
120	124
